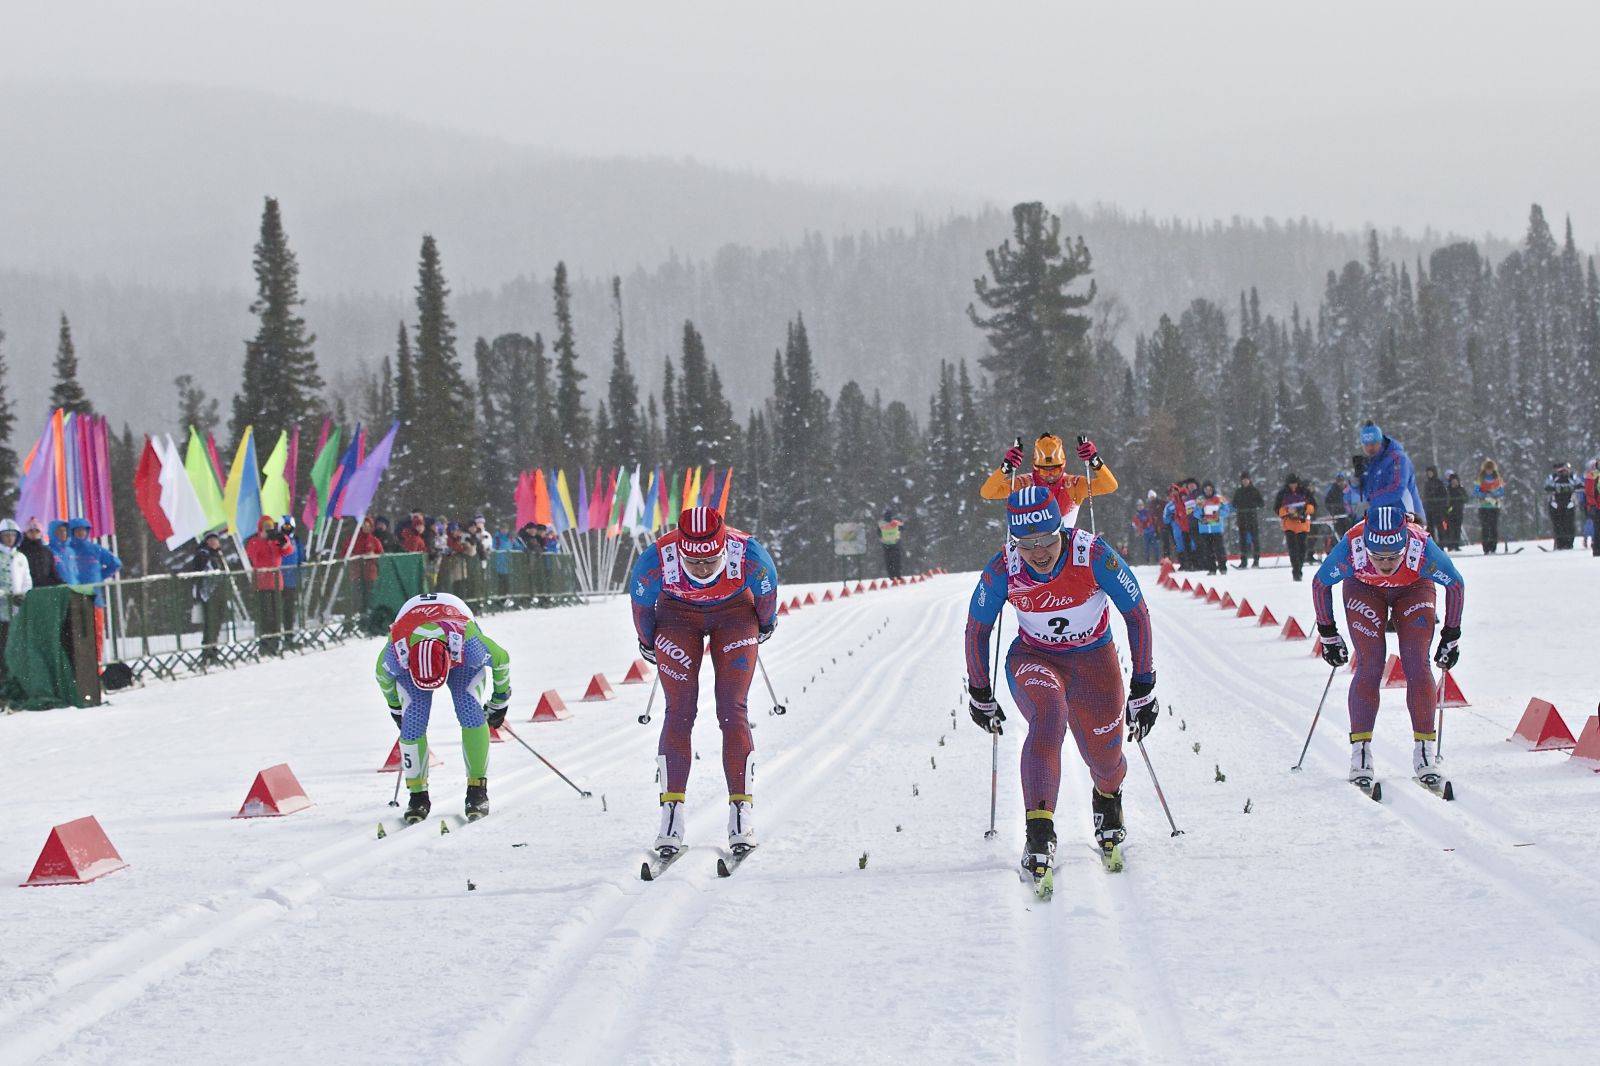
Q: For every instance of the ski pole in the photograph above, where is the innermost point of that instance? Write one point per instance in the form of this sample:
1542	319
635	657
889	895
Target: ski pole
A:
1088	484
644	719
1159	794
582	792
1438	715
994	783
1314	718
777	708
399	772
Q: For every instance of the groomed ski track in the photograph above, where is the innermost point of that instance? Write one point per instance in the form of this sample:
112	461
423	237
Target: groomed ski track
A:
1317	927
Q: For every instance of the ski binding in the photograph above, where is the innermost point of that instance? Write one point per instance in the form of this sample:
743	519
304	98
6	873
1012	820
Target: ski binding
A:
730	861
1439	785
1371	787
659	864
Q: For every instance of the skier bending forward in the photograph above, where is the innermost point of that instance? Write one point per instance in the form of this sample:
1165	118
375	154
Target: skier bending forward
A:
434	642
1062	667
704	580
1388	557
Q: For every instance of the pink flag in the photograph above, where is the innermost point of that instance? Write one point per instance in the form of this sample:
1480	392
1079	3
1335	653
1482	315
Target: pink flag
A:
216	460
524	499
292	462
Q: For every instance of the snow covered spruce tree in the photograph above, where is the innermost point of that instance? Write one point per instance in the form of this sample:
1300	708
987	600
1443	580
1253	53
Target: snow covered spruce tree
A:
625	441
281	386
195	408
570	414
67	394
443	454
1038	361
9	468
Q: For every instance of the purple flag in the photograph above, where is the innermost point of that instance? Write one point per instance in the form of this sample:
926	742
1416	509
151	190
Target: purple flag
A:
363	484
348	462
36	496
580	521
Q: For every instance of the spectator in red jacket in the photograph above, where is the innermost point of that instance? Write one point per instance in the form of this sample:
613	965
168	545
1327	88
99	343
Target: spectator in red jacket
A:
266	551
414	534
363	553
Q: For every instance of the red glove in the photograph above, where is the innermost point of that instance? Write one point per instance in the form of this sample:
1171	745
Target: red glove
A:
1013	459
1086	450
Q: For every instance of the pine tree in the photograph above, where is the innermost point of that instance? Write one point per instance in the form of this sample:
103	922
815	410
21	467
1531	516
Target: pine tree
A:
281	386
675	450
445	447
626	435
570	413
603	454
133	531
1035	332
400	482
67	394
195	408
9	468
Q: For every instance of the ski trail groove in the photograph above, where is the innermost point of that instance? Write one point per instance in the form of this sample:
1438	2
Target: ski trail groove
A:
669	911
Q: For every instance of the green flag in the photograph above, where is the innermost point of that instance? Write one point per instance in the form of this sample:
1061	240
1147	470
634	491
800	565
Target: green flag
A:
321	478
201	474
619	502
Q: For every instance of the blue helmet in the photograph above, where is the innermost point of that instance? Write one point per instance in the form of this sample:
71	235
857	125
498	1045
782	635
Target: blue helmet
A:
1386	531
1032	511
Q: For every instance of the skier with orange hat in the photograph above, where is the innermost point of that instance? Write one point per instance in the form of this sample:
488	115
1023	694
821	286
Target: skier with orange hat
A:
704	580
434	643
1050	471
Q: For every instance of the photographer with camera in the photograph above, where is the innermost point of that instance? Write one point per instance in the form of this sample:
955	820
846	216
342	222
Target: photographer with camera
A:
266	551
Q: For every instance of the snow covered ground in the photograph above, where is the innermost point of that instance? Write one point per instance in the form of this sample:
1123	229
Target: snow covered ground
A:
1319	927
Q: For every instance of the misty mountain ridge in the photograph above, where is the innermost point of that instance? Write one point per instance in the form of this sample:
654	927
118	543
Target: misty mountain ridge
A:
151	257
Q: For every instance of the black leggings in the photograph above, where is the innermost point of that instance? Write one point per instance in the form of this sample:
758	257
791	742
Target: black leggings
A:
1489	520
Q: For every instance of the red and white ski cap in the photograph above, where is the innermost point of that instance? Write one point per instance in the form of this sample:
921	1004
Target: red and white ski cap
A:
702	532
428	661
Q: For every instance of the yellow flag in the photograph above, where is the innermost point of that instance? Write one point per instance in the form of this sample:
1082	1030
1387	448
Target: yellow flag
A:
274	488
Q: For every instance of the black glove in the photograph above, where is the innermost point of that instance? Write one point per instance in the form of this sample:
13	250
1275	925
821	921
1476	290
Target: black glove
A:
394	712
647	653
986	713
497	706
1144	710
1358	463
764	632
1449	649
1334	651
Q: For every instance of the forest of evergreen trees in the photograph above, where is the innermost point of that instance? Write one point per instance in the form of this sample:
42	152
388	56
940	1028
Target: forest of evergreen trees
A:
1458	356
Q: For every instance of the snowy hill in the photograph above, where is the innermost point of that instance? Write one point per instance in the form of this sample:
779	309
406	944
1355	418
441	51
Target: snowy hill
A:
1319	927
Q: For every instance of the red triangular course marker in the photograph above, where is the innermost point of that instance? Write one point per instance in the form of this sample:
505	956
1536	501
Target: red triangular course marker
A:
1394	673
599	690
1245	610
1212	597
1542	728
811	601
75	853
1266	617
1227	601
1186	587
495	736
1200	591
860	588
783	608
392	763
844	593
1453	696
795	604
276	792
1292	630
639	673
552	708
827	597
1588	748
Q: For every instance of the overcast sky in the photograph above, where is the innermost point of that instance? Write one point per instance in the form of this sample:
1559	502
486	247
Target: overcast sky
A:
1447	114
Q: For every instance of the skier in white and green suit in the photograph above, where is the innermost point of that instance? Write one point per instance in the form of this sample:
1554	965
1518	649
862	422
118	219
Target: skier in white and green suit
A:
434	642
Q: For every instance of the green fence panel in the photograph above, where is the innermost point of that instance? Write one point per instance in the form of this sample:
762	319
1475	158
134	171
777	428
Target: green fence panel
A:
39	672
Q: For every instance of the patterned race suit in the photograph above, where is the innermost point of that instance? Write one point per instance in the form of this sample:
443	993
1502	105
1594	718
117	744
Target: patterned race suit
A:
474	659
1371	601
1062	667
676	616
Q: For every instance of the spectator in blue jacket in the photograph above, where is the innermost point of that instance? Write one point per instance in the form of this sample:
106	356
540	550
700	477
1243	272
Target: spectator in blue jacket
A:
290	568
58	537
83	562
1386	475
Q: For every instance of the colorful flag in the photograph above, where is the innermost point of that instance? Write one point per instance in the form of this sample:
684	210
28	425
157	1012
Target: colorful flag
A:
348	462
580	516
178	500
147	491
522	497
633	515
362	485
241	498
658	502
202	478
597	502
216	458
36	495
322	469
727	484
274	487
541	500
619	501
292	467
561	503
669	517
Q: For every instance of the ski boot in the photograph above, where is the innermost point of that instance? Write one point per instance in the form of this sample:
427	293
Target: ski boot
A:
1425	762
417	807
741	826
1362	775
1039	860
669	841
1108	830
477	798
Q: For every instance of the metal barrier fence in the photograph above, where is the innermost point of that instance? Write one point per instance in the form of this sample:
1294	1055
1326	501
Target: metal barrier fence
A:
165	625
